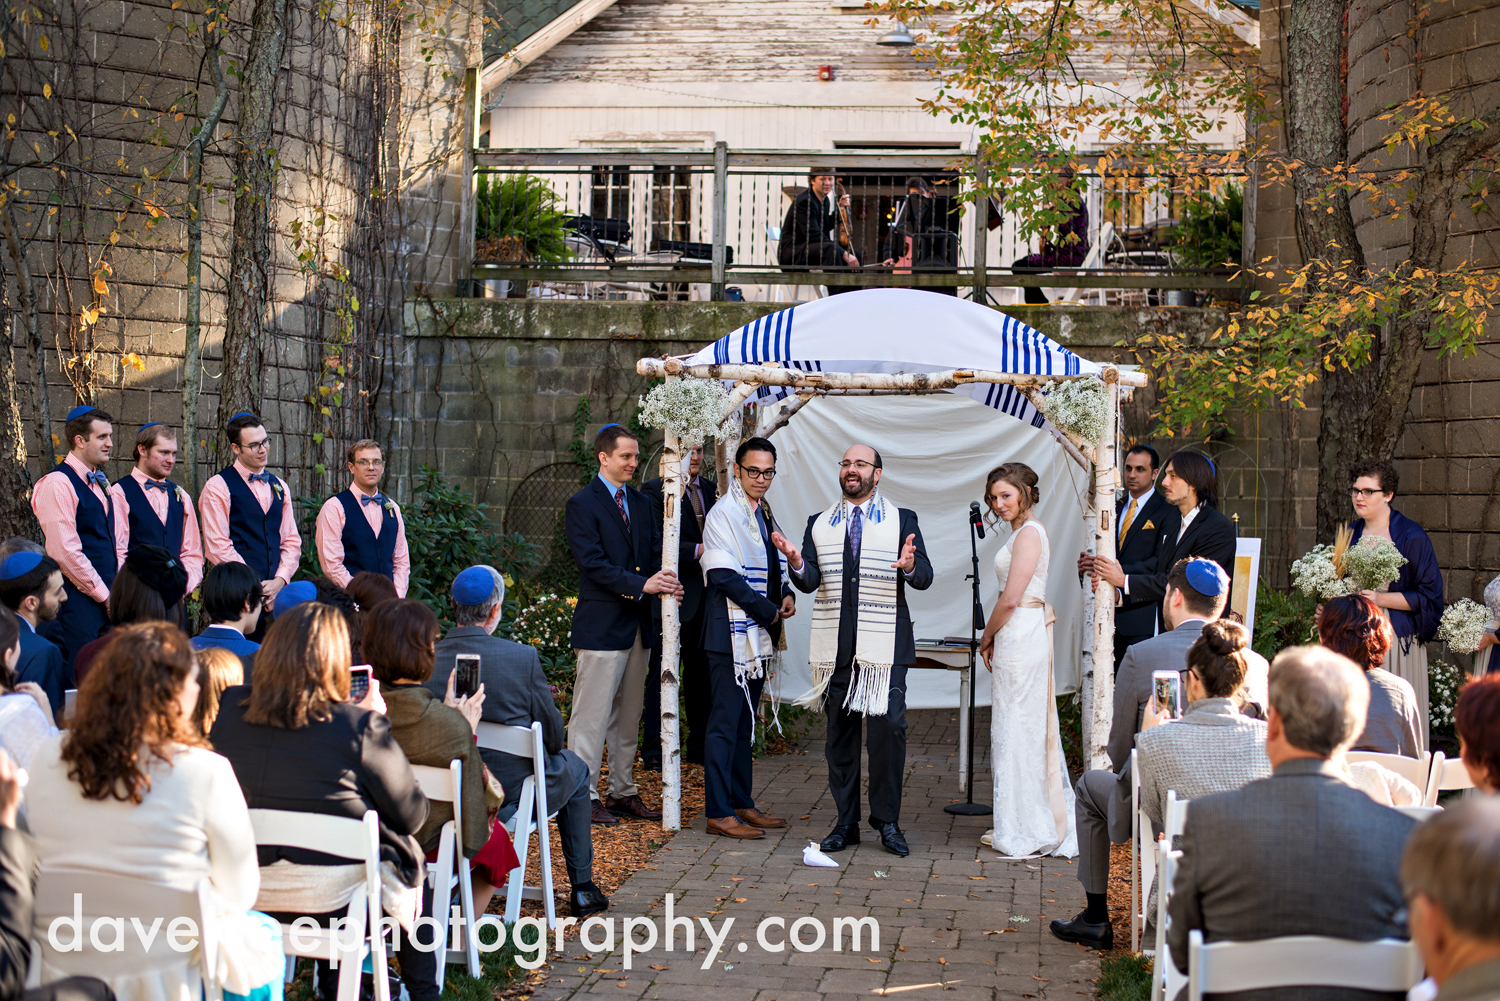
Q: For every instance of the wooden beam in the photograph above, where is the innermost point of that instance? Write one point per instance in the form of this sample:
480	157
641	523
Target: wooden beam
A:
769	375
703	274
539	44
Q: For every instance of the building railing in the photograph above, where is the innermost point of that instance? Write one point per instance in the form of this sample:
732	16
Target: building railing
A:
705	223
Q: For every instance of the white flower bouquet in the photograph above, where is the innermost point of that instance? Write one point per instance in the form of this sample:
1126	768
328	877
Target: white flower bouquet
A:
1313	574
692	408
1464	624
1077	407
1372	564
1330	571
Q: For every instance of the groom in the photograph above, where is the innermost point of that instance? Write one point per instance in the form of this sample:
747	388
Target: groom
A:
861	645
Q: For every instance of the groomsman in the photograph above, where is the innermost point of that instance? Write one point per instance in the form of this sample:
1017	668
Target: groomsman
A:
1137	544
150	510
72	504
860	556
360	529
247	512
698	496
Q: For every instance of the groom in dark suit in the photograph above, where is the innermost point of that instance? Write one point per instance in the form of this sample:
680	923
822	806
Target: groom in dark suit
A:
617	545
859	474
1138	518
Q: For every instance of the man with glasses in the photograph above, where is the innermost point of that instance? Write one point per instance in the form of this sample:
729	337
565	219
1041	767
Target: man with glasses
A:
247	512
859	557
360	529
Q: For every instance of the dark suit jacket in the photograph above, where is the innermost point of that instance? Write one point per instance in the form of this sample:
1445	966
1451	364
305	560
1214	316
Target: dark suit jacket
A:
921	579
614	563
17	863
229	639
689	570
1300	853
1137	551
1211	536
42	662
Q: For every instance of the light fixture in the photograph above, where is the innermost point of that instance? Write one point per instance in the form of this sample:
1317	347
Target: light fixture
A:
898	38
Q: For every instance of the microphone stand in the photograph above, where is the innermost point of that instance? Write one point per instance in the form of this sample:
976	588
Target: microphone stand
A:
969	808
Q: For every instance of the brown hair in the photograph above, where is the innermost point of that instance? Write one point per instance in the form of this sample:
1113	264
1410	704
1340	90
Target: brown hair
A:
10	635
1352	625
1217	657
147	438
301	669
133	600
129	699
82	426
1476	717
360	446
1383	471
369	589
399	636
218	669
1018	475
608	438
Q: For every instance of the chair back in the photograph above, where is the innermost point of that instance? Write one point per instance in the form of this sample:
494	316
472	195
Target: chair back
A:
515	740
441	784
531	816
1388	965
1446	775
1413	770
1174	818
1420	813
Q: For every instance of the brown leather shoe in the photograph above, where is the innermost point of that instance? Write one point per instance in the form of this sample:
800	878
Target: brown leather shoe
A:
731	827
755	818
631	806
599	815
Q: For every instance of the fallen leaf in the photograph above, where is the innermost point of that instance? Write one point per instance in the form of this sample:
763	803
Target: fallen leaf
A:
804	816
869	960
1042	979
736	879
656	967
978	877
740	900
942	961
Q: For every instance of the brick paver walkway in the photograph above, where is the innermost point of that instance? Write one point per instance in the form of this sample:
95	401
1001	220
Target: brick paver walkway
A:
952	917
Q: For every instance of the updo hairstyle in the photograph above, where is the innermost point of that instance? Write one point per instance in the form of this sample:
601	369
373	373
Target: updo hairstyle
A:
1217	657
1018	475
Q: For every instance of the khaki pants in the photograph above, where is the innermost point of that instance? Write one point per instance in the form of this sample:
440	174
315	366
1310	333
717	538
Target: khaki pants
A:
607	695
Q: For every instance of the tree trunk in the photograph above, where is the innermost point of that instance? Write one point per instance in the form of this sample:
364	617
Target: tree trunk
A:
15	484
250	240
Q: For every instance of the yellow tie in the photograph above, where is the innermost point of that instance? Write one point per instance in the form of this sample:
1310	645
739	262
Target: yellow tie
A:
1129	517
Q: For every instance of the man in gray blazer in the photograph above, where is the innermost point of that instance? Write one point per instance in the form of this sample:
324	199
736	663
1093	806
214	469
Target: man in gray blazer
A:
516	693
1302	852
1457	926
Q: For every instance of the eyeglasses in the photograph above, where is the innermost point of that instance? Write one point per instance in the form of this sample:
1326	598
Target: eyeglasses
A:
369	463
1359	493
758	474
858	464
256	446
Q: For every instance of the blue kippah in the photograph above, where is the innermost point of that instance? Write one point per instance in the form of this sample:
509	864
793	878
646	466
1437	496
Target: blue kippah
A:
474	586
19	565
242	413
608	426
294	594
151	424
1206	577
78	412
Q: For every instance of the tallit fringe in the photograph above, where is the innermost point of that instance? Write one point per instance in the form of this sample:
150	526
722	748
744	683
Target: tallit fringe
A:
870	692
822	674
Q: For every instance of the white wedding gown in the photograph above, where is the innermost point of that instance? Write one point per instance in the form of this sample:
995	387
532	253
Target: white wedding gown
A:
1033	799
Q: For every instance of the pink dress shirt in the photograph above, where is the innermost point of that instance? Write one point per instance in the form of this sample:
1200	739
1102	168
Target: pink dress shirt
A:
56	507
192	539
213	509
330	540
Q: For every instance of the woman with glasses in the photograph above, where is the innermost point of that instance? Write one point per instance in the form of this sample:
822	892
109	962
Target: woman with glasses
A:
360	529
1414	601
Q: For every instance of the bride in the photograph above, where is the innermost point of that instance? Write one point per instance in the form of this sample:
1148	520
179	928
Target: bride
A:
1033	801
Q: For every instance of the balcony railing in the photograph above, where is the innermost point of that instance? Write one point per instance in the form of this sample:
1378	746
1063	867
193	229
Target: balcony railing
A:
706	224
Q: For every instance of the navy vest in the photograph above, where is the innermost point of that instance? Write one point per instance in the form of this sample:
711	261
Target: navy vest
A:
146	529
363	550
256	536
96	527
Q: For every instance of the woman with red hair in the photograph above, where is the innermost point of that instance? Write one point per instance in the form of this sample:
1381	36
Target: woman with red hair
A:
1353	626
1477	719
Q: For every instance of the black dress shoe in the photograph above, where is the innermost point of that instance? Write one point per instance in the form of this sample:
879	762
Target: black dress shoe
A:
586	899
599	815
1095	936
892	839
842	837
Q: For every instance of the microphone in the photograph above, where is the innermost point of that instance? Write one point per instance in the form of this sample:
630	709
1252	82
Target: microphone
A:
975	518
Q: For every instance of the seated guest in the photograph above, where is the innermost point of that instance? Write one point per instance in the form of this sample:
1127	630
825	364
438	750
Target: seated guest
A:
133	790
516	693
232	600
218	669
17	864
434	731
331	594
1301	852
369	589
297	743
294	594
25	714
1353	626
31	585
1477	720
1451	876
148	588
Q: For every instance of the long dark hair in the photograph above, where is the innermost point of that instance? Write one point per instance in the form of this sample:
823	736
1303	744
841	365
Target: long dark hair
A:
1197	471
133	600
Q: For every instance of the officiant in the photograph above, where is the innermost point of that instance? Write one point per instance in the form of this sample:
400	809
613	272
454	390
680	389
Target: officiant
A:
1414	601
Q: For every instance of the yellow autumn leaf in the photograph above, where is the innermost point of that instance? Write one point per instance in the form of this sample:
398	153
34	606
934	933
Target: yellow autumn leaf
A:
46	90
100	288
114	237
133	360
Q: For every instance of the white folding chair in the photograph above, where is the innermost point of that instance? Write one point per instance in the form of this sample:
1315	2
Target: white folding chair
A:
70	706
1167	980
1300	961
445	785
1413	770
1445	775
1142	859
107	895
1420	813
363	934
532	815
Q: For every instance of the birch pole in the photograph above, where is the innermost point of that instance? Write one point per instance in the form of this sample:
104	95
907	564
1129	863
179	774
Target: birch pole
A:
1100	667
671	638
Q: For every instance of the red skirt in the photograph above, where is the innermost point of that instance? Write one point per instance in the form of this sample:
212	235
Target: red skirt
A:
493	862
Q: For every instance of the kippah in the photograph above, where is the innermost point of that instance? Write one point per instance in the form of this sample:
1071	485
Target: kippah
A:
608	426
242	413
19	565
474	586
78	412
151	424
1207	577
294	594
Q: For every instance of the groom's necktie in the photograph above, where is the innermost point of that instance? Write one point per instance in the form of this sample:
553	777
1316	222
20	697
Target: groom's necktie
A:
856	533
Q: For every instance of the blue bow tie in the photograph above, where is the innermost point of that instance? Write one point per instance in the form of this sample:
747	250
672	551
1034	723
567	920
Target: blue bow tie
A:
98	479
161	485
263	477
377	499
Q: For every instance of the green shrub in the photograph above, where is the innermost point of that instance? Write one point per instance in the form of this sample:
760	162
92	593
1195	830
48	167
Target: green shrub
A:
1282	619
546	623
524	207
1212	230
1443	683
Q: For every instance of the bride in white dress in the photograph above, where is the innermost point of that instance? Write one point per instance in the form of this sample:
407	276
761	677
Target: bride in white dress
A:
1033	800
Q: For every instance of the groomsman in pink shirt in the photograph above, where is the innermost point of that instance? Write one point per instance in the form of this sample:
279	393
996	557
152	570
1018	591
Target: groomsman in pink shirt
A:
77	519
151	510
248	513
360	529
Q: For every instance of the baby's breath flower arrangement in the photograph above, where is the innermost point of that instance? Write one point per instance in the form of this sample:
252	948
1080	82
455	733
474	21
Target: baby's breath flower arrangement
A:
1373	563
692	408
1346	567
1444	681
1464	624
1313	574
1077	407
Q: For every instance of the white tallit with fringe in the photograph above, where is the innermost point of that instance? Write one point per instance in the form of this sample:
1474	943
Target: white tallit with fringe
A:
875	619
732	541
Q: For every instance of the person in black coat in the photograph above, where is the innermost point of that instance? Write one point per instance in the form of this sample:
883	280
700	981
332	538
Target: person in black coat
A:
859	474
616	542
1138	516
699	495
809	232
1193	527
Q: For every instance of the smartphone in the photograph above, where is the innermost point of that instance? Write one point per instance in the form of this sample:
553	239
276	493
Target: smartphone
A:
359	682
466	682
1167	686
